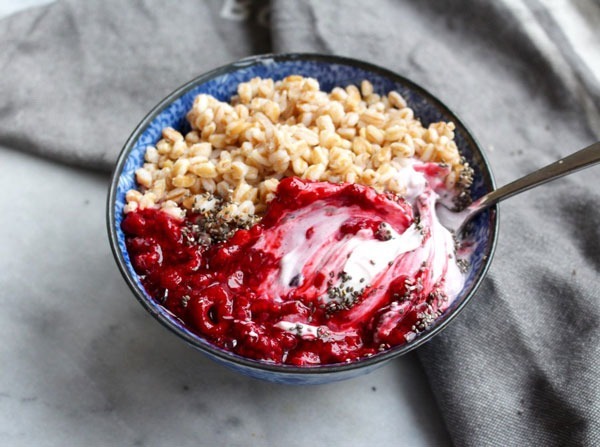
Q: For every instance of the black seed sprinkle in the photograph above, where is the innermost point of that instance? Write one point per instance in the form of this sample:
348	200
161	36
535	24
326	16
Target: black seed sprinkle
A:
296	280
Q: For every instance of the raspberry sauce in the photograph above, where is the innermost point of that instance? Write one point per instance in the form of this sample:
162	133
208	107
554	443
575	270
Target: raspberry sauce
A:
332	273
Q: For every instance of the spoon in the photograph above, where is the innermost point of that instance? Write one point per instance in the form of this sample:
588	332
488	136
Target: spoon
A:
455	221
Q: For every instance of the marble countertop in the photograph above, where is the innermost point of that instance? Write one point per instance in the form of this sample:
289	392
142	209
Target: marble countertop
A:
84	364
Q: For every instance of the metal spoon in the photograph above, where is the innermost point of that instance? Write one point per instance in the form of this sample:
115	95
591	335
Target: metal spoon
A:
455	221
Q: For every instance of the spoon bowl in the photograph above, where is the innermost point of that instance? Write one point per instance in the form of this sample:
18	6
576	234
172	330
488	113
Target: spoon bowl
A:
584	158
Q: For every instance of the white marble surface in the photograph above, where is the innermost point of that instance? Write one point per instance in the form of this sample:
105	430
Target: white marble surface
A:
8	7
83	364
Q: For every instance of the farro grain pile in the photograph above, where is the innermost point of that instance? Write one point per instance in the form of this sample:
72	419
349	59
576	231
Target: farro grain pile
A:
236	153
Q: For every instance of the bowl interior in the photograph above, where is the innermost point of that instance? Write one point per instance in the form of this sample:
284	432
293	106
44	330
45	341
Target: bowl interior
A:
330	72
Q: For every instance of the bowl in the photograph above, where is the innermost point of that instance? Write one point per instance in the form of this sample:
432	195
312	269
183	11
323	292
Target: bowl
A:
330	71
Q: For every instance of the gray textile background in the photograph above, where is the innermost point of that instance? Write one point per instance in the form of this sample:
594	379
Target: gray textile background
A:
521	365
85	73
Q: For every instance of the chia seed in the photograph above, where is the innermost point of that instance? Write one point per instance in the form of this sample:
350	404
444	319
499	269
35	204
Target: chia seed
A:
383	232
463	265
215	225
296	280
184	300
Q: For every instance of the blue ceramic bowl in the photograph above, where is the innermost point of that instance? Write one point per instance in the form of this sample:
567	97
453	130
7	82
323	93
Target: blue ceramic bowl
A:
330	71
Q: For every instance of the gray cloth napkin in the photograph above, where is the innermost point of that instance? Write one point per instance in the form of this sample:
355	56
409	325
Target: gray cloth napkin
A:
78	76
521	364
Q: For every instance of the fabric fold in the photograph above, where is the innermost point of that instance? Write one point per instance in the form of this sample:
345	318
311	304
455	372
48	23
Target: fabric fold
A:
79	76
521	364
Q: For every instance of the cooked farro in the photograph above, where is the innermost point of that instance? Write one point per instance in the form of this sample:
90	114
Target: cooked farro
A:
239	151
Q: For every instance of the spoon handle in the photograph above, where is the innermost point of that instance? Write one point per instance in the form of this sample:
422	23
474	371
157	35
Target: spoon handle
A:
574	162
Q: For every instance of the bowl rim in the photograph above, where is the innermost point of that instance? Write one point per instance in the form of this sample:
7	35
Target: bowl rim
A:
284	369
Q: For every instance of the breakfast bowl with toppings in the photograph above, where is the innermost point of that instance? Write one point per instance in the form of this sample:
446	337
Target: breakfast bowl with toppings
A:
279	215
